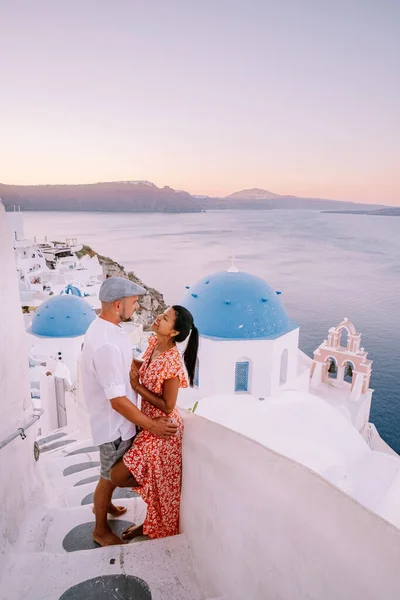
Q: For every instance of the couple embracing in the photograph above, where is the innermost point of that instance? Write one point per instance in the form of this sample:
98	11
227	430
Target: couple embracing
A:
140	449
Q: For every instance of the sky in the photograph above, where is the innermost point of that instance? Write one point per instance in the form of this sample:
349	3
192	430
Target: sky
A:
213	96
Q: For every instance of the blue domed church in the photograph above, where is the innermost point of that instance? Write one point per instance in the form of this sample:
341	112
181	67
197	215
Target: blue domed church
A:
248	344
63	316
58	327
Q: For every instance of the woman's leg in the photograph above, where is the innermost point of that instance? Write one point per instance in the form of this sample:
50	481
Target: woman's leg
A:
121	476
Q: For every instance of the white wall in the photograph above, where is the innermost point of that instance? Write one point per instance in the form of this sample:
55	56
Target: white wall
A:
70	349
17	465
217	359
376	442
16	225
77	415
364	409
48	401
262	526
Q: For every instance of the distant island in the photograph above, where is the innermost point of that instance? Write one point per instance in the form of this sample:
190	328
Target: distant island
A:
393	211
145	196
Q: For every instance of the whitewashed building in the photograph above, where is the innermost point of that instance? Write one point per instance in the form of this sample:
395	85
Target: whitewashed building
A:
52	268
248	344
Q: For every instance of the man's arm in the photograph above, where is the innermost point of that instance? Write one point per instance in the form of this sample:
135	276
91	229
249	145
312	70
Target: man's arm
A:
109	367
161	427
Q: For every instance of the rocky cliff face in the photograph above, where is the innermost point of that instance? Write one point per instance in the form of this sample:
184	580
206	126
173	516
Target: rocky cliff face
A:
150	306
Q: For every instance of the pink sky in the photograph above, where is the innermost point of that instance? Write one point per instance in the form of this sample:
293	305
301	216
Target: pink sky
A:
294	97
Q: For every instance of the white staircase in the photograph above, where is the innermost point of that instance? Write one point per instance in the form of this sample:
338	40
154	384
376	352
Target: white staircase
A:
56	551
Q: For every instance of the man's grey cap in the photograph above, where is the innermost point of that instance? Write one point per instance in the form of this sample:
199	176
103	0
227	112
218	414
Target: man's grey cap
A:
115	288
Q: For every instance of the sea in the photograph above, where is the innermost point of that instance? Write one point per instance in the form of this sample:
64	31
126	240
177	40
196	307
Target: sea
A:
327	266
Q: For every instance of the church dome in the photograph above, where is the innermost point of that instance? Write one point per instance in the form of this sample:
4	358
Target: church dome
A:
62	316
238	306
72	289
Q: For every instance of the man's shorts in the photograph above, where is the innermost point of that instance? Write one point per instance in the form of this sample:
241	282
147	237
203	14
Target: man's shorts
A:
110	453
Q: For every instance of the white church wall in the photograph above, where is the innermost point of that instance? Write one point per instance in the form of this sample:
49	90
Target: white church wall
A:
362	416
217	360
289	343
17	464
376	442
211	371
187	397
357	386
303	538
301	381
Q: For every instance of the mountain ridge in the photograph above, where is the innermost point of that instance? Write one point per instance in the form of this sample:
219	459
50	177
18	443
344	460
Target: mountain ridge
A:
145	196
113	196
254	194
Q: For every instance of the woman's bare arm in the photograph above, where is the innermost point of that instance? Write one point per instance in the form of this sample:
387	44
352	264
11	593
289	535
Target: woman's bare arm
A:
167	401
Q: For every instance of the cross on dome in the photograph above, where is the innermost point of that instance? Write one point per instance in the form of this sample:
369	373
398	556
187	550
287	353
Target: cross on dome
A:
233	268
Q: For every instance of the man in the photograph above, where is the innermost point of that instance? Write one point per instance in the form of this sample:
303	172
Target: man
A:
110	400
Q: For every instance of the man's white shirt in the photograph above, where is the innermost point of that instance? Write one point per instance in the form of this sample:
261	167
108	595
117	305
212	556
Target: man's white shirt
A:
105	365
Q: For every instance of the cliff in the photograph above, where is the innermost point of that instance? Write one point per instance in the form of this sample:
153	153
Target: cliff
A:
119	196
150	306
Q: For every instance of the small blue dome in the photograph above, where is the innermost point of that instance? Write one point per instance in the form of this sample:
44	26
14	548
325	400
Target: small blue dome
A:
72	289
237	306
62	316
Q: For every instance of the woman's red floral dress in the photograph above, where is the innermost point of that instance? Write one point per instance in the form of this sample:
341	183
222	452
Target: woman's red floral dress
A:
155	463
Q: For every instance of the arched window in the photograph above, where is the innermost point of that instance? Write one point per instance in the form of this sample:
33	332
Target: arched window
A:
196	374
242	376
344	337
284	367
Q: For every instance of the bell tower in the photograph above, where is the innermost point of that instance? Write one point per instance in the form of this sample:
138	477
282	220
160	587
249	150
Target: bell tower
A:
333	361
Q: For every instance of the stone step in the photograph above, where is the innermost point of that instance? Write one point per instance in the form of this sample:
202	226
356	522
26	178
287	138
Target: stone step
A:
58	530
157	570
71	476
56	557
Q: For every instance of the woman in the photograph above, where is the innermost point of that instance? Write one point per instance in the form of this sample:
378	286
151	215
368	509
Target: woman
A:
153	466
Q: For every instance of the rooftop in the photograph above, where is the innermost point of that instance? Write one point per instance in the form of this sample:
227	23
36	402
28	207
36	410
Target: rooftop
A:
238	306
65	315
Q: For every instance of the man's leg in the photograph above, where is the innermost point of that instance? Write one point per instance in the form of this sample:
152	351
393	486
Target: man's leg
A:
110	453
113	510
102	533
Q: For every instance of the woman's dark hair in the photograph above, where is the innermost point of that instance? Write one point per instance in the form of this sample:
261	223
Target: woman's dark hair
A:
184	324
